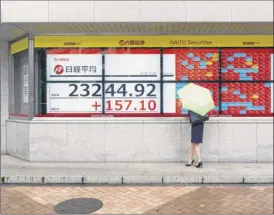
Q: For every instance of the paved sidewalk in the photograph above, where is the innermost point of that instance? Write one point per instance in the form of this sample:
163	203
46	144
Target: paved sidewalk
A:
244	199
17	171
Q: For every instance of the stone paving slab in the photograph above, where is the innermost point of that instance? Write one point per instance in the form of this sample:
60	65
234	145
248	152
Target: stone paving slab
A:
204	199
16	171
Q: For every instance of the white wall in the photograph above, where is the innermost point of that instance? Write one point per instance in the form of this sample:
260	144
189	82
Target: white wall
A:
4	93
139	140
137	11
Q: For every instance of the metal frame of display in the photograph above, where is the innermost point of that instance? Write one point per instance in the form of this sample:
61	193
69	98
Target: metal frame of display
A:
10	82
161	82
220	81
31	79
103	80
42	82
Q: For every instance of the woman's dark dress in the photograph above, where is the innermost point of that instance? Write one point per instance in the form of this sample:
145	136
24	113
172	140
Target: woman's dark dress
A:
197	132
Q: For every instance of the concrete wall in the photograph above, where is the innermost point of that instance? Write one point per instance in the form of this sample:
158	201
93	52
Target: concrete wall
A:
137	11
18	139
4	93
139	140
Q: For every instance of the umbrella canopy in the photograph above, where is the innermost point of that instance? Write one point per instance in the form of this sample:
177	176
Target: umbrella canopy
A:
196	98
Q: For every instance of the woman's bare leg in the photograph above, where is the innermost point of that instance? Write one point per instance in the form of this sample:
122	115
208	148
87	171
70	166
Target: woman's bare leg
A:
197	152
191	153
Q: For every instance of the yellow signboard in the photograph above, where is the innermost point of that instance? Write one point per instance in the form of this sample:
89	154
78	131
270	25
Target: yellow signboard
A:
19	46
165	41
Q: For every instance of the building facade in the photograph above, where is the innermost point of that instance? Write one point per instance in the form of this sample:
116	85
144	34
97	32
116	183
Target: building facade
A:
97	81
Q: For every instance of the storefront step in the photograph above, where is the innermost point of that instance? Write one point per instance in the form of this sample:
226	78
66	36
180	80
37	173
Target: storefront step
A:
16	171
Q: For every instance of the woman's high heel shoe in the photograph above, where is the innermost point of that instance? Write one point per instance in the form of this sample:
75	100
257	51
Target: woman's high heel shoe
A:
191	163
199	165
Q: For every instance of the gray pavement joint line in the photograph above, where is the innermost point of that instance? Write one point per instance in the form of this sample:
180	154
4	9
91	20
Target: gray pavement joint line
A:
137	185
133	184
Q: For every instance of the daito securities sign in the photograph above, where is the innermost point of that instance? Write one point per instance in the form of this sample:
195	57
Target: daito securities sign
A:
74	64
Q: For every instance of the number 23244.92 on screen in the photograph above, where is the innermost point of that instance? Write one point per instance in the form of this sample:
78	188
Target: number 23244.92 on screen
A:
119	97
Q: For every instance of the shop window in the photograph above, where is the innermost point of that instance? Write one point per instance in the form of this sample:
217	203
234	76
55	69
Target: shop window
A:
246	75
85	82
247	99
132	82
19	84
191	64
247	64
173	105
70	82
144	81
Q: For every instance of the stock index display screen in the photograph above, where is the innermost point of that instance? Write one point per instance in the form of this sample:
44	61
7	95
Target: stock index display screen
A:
138	81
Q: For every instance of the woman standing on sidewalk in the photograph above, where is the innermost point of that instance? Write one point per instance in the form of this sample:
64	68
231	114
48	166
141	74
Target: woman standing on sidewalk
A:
197	131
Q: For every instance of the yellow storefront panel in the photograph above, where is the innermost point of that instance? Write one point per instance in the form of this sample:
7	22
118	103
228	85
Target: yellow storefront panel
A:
19	46
154	41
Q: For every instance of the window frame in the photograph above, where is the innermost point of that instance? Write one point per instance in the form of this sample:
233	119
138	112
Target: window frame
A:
12	115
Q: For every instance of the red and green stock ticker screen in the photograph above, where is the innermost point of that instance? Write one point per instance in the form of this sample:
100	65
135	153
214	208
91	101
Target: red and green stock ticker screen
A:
138	81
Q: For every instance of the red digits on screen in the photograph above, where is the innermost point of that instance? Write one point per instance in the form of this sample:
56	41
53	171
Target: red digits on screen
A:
120	105
128	104
108	106
151	105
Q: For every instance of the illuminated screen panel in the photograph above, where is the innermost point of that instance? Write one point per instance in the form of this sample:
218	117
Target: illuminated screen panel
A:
132	64
247	64
74	64
172	103
120	98
74	98
132	98
191	64
247	99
